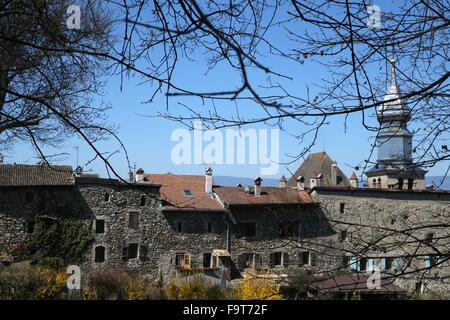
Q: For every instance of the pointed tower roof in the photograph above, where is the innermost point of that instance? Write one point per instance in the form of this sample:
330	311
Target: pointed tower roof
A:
353	177
395	108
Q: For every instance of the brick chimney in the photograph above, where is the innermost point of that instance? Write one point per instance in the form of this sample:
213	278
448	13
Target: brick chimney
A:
208	180
257	186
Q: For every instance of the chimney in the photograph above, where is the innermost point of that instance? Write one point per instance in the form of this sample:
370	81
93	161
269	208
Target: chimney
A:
354	180
315	181
257	186
140	175
283	182
1	158
78	171
300	183
333	174
130	177
208	180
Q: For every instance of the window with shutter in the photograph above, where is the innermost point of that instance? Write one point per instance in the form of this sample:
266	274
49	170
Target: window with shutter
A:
354	264
371	265
427	261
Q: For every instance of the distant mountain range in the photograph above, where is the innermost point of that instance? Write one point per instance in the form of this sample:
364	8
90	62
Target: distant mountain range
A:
439	181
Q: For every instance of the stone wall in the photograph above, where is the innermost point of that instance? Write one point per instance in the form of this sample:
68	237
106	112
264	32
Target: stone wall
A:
394	225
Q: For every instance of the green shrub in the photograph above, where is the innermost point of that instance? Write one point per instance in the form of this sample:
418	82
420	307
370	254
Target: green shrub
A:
58	241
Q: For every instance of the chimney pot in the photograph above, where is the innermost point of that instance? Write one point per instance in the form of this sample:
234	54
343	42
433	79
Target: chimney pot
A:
257	186
140	175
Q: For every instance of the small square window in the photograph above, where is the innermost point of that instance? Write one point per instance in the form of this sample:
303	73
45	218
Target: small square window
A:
99	226
188	193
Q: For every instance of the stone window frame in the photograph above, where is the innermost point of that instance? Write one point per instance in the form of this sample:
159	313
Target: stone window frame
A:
210	263
127	246
185	254
311	259
105	226
133	211
101	244
284	258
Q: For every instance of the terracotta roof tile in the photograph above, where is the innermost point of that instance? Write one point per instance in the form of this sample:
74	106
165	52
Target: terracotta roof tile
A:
174	197
35	175
269	195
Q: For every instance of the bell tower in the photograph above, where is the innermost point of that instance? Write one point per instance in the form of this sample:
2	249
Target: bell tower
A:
394	167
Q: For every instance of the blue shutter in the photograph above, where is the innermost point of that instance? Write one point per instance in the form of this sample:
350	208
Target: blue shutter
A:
353	264
370	265
439	260
427	261
395	264
383	264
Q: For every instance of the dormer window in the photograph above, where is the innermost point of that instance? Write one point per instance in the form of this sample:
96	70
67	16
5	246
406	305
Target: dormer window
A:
188	193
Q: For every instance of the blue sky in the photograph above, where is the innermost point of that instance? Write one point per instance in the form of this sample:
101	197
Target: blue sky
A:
148	142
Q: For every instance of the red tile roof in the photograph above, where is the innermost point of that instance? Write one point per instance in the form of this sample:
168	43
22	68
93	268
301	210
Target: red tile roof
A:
269	195
174	197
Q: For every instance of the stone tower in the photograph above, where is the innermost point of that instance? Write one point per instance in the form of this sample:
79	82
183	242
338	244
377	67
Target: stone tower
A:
394	167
